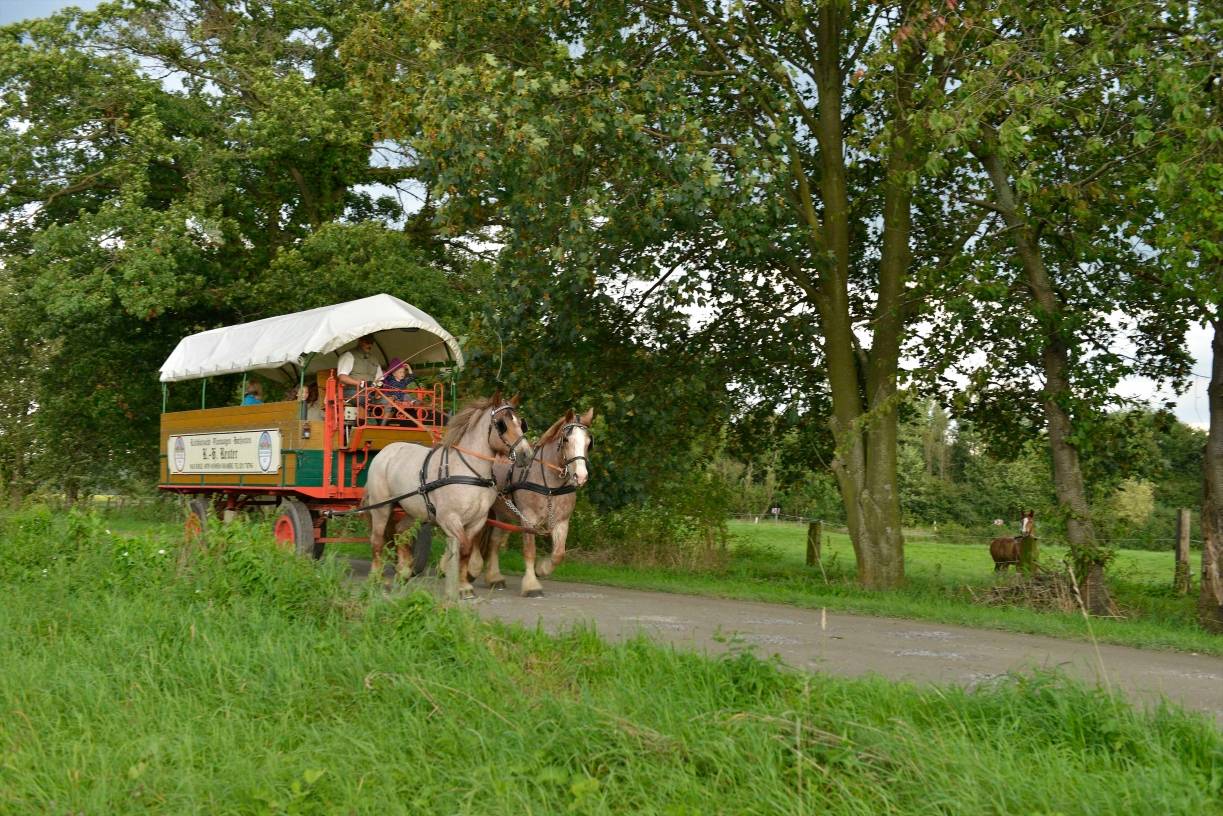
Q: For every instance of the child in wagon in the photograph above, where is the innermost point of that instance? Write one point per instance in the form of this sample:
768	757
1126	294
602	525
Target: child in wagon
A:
398	378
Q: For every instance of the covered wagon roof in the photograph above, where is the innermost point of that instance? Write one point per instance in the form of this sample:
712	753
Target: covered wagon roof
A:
279	346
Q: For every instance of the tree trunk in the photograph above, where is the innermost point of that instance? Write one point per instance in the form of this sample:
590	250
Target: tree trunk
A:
862	382
1180	578
814	532
1067	472
1210	598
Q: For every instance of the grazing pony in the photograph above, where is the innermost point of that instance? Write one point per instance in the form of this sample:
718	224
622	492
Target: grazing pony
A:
540	497
451	485
1005	551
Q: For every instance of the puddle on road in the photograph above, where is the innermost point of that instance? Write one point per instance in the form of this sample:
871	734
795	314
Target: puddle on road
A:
768	640
662	623
927	653
922	634
1189	675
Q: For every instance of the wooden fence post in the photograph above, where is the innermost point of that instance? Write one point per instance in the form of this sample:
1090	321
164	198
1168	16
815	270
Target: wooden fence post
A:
1180	581
814	531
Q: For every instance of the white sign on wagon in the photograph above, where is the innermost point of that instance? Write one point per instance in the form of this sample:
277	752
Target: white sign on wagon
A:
228	452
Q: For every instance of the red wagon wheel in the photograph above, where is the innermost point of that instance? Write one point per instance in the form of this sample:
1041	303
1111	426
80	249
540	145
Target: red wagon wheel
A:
294	530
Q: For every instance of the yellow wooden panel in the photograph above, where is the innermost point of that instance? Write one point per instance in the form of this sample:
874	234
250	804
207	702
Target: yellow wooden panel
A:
381	437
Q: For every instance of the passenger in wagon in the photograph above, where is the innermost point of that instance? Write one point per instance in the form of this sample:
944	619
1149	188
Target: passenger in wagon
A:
398	379
357	366
309	395
254	394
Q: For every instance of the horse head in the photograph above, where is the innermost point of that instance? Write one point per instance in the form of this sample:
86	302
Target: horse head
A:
574	443
507	430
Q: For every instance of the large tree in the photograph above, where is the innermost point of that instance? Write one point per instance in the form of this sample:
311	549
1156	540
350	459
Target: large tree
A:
751	147
1179	67
1050	139
162	156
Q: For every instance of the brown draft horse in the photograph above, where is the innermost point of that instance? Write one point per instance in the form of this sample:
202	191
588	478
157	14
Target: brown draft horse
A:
1005	551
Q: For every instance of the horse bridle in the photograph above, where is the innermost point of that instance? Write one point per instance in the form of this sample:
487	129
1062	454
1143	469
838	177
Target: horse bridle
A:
562	438
500	426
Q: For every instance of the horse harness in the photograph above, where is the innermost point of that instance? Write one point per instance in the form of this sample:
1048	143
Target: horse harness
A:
565	488
444	478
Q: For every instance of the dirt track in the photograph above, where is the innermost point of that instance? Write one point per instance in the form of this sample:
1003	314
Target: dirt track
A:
851	645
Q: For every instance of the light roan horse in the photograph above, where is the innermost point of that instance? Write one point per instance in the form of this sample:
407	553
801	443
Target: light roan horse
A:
451	485
1005	551
540	498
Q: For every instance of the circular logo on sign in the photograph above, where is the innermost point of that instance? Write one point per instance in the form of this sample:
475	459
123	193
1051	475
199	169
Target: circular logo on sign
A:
180	454
265	451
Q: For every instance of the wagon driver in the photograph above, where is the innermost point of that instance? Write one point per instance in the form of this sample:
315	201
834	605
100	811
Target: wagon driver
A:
358	366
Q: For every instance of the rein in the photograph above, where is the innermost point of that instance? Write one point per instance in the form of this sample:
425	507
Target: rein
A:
567	487
444	478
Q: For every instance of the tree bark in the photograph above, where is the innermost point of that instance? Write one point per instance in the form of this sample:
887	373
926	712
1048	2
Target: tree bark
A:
1067	471
862	383
1210	599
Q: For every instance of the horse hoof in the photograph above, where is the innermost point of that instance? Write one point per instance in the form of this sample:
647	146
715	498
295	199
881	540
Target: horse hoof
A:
467	595
497	584
535	593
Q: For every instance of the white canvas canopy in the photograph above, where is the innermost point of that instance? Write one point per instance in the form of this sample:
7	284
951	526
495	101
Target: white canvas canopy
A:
278	347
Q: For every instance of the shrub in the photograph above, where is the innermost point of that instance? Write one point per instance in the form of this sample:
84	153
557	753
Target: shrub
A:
684	525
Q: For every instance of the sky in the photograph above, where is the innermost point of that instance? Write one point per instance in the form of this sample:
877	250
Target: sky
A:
1190	407
13	10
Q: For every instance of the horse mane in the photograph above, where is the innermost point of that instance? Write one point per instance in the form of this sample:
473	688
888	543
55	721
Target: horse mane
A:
550	434
461	422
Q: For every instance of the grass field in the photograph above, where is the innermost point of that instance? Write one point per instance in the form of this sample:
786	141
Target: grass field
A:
141	679
767	564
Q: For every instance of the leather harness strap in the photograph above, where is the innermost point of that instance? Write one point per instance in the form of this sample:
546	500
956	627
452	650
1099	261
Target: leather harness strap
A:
444	478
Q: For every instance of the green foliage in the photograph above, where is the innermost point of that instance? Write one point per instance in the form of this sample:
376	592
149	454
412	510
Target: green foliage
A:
243	704
138	210
683	524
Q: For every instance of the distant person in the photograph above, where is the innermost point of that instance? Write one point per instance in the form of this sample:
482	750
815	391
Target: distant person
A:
254	394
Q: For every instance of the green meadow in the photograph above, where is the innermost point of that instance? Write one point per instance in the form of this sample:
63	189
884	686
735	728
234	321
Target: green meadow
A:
766	562
140	677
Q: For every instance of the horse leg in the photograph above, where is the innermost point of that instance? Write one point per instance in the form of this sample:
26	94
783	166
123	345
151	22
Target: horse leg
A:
476	563
531	588
379	526
492	548
403	548
550	562
467	542
458	548
447	563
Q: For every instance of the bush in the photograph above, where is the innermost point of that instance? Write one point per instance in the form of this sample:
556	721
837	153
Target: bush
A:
685	525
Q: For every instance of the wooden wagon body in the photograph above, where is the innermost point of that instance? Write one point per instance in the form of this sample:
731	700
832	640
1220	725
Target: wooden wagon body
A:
300	459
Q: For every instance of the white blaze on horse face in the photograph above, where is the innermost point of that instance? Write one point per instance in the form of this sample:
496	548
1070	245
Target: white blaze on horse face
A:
579	445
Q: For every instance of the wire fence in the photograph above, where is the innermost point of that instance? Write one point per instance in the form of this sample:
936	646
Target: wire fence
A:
934	535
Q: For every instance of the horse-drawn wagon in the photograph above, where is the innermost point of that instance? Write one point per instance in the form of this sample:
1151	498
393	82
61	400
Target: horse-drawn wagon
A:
302	456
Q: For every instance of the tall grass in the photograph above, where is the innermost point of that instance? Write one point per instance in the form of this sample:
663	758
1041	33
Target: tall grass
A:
138	679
